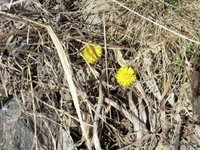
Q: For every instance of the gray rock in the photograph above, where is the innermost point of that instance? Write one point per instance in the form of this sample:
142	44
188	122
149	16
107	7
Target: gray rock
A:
14	133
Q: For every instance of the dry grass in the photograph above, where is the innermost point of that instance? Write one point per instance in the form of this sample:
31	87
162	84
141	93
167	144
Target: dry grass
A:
42	67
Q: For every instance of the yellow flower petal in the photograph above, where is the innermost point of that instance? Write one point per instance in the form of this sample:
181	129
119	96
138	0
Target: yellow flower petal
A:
125	76
92	53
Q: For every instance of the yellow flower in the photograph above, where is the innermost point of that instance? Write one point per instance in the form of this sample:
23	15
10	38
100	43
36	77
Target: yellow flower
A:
125	76
92	53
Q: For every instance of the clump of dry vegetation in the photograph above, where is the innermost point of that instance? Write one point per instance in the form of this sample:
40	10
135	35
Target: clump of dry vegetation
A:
66	100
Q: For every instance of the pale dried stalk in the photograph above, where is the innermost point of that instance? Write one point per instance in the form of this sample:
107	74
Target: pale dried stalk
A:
34	115
137	127
68	74
96	141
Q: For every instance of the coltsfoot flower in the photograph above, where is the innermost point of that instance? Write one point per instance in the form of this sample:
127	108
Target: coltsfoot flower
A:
92	53
126	76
